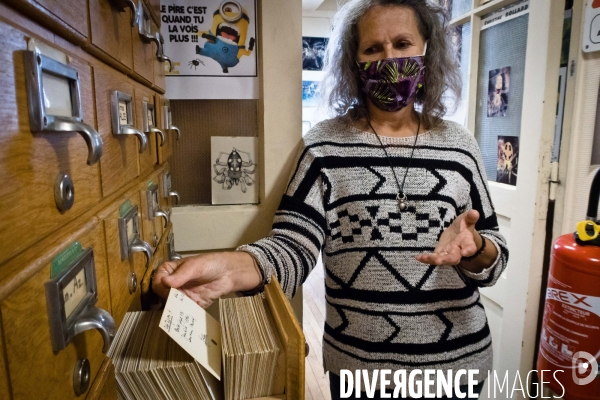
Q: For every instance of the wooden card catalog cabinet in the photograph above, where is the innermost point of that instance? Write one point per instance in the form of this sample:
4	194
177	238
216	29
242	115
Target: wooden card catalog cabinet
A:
111	29
143	51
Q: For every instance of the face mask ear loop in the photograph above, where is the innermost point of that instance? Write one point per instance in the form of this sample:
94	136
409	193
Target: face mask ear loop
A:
425	50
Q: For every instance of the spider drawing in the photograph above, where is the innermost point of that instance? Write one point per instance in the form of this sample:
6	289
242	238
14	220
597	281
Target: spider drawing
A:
234	171
195	63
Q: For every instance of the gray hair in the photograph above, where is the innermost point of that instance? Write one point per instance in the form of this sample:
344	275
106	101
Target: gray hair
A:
341	88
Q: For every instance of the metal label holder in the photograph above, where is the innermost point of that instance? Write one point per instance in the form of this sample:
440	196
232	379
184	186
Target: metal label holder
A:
40	120
171	254
122	118
149	115
154	205
131	242
85	315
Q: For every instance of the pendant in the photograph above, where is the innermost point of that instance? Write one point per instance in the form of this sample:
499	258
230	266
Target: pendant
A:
401	197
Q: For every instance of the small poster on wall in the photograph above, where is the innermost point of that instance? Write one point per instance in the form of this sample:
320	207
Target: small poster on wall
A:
508	159
313	53
498	88
210	39
234	170
310	93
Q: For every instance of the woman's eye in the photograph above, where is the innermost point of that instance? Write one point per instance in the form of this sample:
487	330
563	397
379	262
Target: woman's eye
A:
370	50
402	45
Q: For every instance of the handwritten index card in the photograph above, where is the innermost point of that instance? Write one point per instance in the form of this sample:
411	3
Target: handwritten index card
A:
194	330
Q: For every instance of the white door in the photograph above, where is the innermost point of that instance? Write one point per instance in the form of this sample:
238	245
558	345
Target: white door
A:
510	60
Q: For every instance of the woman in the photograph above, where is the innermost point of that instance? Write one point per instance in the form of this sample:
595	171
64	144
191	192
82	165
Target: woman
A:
397	201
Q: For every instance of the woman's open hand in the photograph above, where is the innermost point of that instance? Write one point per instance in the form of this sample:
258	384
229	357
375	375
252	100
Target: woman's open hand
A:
459	240
207	277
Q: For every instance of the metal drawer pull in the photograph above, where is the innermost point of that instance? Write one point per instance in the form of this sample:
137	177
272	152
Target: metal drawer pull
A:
141	246
176	195
166	216
176	129
96	318
81	376
176	256
160	133
92	138
122	118
160	54
38	68
129	130
122	5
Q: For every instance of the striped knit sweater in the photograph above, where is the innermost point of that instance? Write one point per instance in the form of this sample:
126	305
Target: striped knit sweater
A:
384	308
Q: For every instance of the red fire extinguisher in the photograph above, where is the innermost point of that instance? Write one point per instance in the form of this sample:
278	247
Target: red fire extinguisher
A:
569	350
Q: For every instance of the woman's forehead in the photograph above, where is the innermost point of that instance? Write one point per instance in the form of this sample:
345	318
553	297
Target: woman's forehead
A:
385	22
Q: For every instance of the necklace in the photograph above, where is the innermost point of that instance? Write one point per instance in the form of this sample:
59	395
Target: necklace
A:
401	196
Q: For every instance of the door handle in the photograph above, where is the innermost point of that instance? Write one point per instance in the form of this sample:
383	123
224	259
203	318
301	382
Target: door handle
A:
176	256
92	138
96	318
163	58
160	53
176	195
128	130
141	246
160	133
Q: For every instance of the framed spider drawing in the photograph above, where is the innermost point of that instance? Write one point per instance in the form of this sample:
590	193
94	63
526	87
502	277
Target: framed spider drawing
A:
234	170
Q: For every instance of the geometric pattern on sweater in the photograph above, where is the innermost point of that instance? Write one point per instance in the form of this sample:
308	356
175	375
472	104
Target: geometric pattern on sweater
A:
385	310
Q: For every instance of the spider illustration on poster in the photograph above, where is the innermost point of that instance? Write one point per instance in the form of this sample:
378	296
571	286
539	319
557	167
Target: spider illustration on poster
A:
235	170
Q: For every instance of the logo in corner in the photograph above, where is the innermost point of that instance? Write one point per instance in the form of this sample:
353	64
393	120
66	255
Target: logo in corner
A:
584	364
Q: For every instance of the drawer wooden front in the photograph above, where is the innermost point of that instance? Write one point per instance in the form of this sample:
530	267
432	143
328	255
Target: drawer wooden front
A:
35	371
119	163
166	151
57	13
154	9
166	201
111	31
31	162
144	54
150	157
119	270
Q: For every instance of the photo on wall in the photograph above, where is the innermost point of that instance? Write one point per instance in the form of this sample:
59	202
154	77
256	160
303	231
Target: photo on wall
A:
498	88
508	159
456	37
313	53
310	93
234	170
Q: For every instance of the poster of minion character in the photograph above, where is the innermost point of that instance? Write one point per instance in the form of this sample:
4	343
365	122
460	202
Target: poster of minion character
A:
210	37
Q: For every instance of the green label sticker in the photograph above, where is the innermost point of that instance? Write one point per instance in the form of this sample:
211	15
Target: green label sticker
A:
125	207
62	261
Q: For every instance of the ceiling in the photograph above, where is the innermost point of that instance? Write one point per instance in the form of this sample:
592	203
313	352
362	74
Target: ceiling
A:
321	5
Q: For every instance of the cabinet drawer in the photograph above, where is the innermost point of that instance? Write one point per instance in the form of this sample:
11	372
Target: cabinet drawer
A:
122	289
154	9
111	31
165	123
32	162
144	52
168	196
119	163
159	74
67	18
35	371
145	117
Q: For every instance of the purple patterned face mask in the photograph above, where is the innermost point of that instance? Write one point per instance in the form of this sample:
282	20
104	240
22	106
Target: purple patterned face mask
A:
393	83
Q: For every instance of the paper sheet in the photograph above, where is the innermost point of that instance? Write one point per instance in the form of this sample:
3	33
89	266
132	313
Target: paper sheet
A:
194	330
